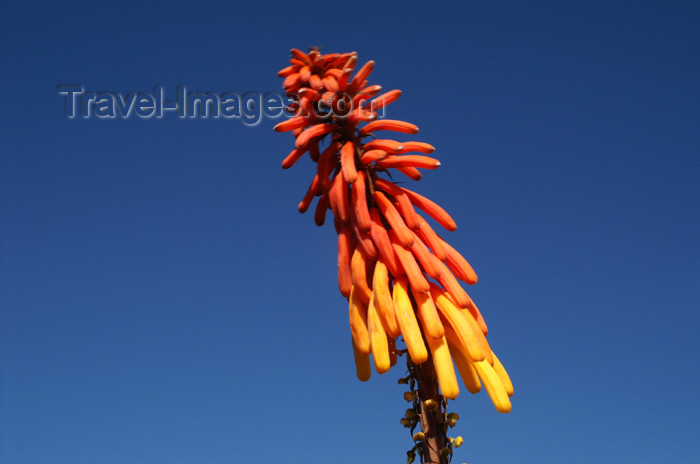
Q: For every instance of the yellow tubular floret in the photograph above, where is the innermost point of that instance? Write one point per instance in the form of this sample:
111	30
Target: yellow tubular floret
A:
502	374
443	367
406	317
464	365
479	335
428	314
379	343
358	322
382	294
494	386
358	272
457	321
362	364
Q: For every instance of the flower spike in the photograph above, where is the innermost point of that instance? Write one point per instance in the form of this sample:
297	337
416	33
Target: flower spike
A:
399	276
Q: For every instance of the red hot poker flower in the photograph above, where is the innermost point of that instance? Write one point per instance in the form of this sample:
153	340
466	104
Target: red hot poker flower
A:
399	276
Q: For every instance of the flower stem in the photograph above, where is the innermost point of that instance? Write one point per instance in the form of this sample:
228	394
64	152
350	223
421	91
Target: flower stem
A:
432	413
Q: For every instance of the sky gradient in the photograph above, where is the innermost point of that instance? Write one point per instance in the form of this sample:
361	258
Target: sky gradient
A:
163	301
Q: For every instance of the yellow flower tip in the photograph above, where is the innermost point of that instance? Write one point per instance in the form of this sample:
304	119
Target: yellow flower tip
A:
405	422
419	436
457	442
453	415
430	405
408	396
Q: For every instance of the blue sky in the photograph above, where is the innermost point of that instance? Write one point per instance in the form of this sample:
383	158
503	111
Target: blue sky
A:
163	301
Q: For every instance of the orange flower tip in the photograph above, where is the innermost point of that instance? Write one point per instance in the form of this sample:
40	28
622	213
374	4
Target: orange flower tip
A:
281	127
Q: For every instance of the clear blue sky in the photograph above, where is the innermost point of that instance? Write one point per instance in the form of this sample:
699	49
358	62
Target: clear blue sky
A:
163	301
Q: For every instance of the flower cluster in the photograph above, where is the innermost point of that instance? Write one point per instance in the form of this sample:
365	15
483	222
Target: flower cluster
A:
399	276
